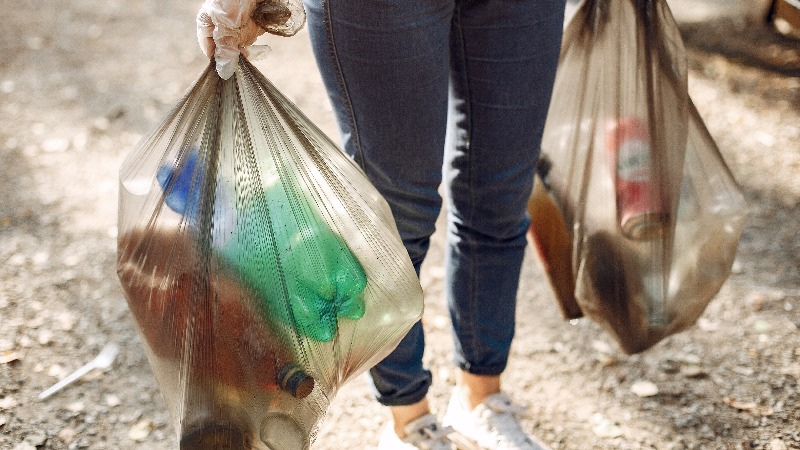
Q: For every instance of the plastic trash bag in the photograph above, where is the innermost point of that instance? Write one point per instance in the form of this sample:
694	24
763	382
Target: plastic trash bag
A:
650	215
262	268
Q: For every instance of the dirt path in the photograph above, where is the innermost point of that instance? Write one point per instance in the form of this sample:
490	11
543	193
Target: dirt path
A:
81	81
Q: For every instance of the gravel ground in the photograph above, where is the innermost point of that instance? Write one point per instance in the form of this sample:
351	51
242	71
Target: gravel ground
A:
81	81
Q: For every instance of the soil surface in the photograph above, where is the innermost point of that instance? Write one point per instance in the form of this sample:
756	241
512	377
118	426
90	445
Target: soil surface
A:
82	81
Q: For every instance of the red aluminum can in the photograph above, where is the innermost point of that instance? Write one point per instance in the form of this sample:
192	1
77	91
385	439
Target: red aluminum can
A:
640	211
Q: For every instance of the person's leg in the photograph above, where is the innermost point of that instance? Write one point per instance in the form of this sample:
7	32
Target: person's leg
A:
504	56
385	66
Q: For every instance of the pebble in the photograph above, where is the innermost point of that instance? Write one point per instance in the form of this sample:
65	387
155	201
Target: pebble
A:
112	400
140	431
692	371
605	428
76	407
777	444
45	337
24	446
669	366
66	435
8	402
644	388
37	438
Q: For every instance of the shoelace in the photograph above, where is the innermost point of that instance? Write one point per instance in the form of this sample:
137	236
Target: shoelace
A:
431	437
503	418
435	436
503	405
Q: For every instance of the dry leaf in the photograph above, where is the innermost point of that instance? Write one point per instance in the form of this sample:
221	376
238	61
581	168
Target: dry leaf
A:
9	356
5	344
751	407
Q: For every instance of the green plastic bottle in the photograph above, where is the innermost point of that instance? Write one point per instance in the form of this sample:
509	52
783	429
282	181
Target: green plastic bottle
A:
301	272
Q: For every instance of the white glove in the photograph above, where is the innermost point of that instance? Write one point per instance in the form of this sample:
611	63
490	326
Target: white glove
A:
225	29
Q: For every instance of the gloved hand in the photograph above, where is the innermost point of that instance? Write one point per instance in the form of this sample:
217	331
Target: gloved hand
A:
227	28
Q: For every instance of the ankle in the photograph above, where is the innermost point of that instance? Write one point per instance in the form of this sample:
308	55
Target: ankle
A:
473	389
404	414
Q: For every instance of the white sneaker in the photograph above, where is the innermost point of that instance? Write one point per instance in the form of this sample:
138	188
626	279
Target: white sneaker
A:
493	424
423	433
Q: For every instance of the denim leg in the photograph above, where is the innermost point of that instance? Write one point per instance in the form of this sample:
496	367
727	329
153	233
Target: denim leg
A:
504	56
385	67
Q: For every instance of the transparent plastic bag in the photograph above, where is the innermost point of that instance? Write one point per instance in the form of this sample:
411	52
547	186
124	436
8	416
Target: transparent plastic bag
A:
262	268
650	238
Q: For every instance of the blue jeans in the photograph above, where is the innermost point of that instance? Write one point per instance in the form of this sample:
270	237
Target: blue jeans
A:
453	91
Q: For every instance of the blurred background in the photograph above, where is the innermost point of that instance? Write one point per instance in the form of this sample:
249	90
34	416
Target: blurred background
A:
82	81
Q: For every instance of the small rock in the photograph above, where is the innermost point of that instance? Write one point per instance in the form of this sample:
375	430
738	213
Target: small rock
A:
36	438
36	322
440	322
45	337
112	400
707	325
777	444
685	420
17	259
751	407
756	301
67	435
6	345
7	86
56	371
140	431
25	342
604	428
692	371
602	347
7	402
744	371
669	366
76	406
644	388
41	258
66	321
101	123
762	326
3	420
688	358
55	145
24	446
